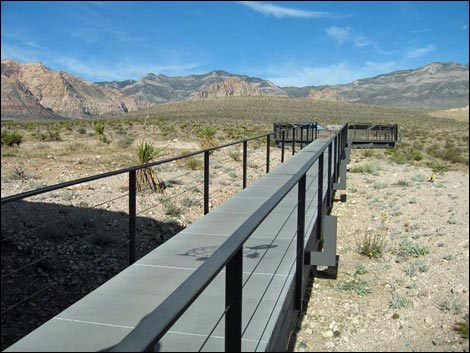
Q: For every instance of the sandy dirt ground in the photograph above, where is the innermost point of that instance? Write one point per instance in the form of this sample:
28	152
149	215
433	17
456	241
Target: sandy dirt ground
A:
410	298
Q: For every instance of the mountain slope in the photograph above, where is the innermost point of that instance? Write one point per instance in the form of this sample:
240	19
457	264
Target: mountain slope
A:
64	93
19	104
44	92
233	86
161	88
434	86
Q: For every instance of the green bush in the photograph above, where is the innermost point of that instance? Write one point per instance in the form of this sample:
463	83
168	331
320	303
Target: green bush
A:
48	135
99	128
11	138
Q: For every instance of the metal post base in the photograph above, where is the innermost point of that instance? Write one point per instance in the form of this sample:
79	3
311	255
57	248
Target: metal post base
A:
328	256
342	170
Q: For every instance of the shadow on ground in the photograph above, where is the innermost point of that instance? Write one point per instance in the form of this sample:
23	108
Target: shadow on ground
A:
53	255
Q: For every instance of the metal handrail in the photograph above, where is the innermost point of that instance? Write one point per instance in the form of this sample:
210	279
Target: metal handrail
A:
154	326
62	185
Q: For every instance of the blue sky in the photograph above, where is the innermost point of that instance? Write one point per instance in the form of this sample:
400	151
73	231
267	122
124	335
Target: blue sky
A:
289	43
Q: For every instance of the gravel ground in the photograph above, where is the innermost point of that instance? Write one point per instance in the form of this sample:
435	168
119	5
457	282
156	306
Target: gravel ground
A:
410	298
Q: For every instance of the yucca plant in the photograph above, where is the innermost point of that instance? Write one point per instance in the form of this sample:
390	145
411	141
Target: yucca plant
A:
206	136
147	177
99	129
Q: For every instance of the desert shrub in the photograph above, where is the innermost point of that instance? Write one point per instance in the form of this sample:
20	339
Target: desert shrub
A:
48	135
193	163
373	245
451	304
11	138
367	168
235	155
170	209
437	166
400	302
407	249
19	173
358	286
124	141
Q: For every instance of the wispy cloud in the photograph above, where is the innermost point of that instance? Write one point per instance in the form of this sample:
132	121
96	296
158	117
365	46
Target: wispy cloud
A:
268	9
419	52
340	34
464	27
291	74
346	34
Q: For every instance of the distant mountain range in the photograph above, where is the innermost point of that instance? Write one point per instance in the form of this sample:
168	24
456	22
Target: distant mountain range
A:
32	91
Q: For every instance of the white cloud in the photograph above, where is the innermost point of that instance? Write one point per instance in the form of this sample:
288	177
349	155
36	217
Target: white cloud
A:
340	34
346	34
268	9
464	27
419	52
290	74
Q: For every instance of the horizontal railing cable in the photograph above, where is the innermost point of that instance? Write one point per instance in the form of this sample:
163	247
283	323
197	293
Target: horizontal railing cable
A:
121	171
167	199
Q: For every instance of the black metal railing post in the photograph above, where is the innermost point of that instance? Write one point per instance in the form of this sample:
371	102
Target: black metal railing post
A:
206	182
132	216
316	131
301	137
320	196
335	165
233	301
340	151
293	141
300	244
268	150
330	181
244	162
283	141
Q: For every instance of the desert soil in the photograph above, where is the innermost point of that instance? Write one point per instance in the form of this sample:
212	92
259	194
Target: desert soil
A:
429	291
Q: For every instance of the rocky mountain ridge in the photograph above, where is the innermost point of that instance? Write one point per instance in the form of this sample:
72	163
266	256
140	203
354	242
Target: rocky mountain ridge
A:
62	93
33	91
434	86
